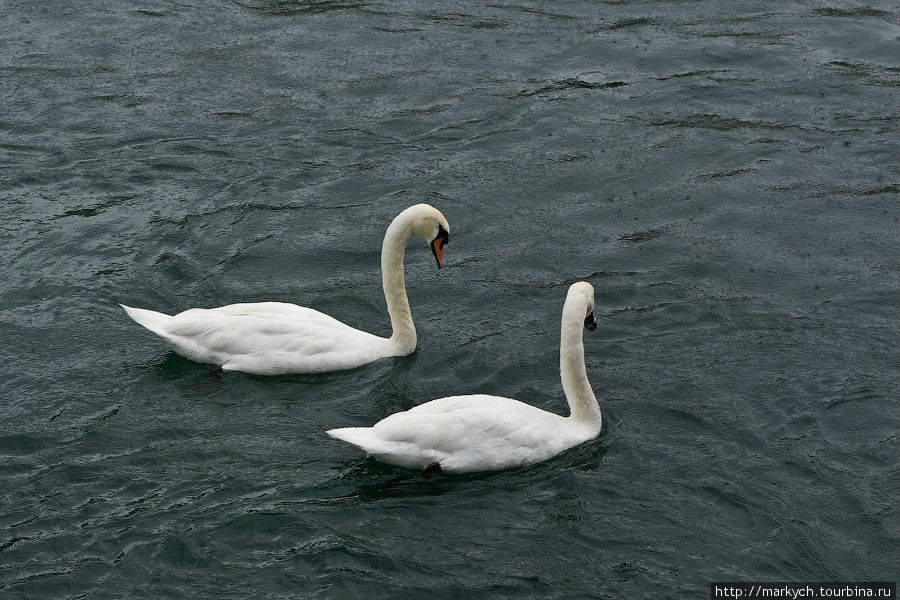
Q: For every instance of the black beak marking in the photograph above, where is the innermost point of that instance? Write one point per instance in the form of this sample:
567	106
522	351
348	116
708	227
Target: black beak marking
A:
438	243
589	323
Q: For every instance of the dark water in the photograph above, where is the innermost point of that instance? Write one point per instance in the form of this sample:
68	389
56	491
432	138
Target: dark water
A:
724	173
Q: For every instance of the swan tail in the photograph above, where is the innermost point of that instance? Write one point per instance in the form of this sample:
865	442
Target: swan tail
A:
402	454
152	320
360	437
369	442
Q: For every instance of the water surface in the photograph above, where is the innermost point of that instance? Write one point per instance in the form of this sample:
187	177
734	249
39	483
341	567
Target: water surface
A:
724	174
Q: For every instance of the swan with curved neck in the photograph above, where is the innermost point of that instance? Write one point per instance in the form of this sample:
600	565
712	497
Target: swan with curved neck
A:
269	338
461	434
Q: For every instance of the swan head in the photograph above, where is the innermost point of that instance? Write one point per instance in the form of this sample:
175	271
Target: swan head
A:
584	292
428	223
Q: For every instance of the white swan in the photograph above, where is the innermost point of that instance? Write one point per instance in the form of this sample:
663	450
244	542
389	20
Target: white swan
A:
269	338
487	433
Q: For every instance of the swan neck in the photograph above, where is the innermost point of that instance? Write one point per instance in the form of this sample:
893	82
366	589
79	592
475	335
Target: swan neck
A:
576	386
403	337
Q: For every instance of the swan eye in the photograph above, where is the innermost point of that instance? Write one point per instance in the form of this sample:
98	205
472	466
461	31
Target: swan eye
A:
589	323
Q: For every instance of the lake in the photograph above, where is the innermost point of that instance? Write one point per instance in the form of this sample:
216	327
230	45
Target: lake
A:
725	174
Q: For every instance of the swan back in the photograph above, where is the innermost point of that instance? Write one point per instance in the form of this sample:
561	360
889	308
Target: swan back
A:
467	433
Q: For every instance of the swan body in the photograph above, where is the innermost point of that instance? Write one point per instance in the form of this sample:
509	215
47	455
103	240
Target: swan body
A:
264	338
269	338
461	434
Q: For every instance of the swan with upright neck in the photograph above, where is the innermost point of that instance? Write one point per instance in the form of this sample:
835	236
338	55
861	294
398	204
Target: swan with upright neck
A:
461	434
269	338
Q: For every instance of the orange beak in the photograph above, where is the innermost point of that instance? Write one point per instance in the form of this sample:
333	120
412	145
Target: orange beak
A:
437	247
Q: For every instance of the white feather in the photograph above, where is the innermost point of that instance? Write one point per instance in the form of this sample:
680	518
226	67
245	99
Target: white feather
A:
275	337
487	433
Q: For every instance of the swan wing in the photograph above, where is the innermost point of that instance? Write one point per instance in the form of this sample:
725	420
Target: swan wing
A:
268	338
246	329
464	433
